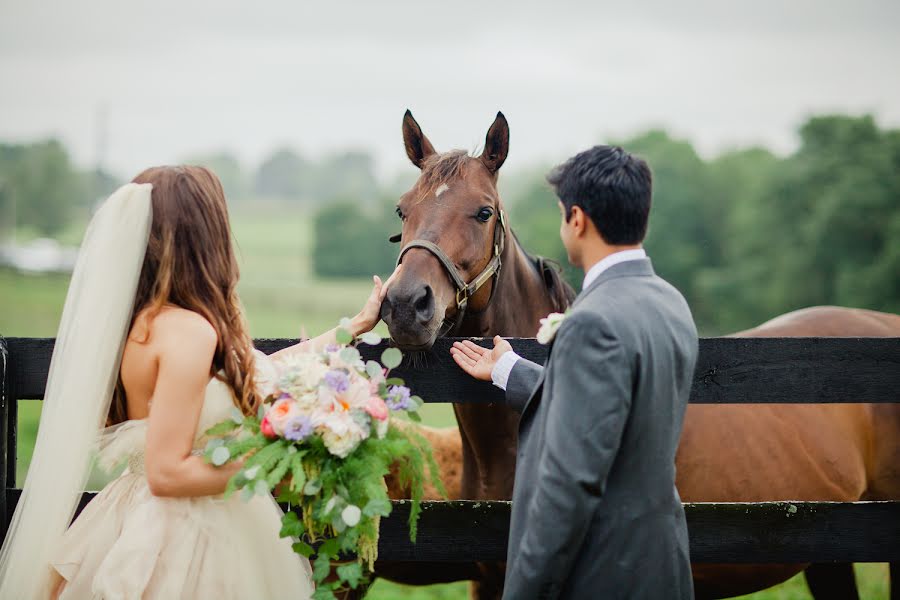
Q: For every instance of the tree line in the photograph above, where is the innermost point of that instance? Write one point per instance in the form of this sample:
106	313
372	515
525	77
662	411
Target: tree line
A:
41	189
746	235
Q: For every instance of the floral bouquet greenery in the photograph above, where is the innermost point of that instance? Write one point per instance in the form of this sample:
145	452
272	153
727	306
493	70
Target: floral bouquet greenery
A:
324	439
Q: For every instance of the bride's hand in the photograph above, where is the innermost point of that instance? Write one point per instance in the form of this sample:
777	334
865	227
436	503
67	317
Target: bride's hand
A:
370	314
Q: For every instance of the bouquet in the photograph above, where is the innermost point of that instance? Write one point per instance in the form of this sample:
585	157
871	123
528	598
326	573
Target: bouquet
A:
324	438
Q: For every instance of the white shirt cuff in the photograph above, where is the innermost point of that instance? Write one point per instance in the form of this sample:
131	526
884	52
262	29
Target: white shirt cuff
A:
504	366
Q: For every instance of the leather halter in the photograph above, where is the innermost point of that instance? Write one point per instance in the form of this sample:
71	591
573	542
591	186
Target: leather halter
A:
464	290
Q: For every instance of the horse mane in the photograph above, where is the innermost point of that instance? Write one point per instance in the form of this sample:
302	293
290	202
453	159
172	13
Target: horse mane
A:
442	167
561	293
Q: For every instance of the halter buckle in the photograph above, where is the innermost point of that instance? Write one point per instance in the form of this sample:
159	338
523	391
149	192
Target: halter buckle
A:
462	298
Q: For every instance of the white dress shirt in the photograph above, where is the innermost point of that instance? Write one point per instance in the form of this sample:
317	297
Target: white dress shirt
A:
505	364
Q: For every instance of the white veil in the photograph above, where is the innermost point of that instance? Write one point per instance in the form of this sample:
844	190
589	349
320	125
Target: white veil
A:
83	375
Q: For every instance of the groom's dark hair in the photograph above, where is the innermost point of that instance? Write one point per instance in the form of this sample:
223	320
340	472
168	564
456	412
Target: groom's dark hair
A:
612	187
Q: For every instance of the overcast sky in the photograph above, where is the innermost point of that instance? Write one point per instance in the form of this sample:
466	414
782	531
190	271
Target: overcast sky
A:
183	78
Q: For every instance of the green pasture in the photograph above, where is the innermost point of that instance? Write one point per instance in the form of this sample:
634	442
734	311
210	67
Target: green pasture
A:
283	298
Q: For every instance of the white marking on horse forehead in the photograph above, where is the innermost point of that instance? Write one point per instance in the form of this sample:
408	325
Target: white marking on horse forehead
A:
441	189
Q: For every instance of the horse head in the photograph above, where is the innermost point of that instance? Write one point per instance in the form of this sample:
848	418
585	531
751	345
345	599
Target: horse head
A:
453	235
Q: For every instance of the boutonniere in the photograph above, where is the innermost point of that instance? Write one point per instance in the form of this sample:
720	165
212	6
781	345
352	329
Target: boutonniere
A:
549	325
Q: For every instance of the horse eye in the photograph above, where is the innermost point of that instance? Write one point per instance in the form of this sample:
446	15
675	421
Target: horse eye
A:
484	215
400	214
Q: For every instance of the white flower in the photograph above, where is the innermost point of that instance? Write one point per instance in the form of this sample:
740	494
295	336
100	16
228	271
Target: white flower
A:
342	445
340	432
549	325
351	515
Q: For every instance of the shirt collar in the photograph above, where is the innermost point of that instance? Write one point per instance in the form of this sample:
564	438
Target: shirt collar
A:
613	259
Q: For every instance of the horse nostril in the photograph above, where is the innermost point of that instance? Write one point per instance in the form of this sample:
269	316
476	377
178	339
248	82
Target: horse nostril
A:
424	305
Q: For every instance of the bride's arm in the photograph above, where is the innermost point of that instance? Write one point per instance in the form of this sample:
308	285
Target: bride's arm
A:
364	321
186	343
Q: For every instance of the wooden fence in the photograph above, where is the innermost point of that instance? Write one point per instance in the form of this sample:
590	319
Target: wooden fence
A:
729	370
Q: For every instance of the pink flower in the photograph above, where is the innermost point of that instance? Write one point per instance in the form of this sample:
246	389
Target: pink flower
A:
376	407
266	428
281	412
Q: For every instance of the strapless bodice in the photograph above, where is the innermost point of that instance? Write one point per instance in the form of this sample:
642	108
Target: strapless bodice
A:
126	441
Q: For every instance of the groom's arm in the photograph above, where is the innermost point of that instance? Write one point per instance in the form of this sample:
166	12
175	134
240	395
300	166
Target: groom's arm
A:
519	381
588	406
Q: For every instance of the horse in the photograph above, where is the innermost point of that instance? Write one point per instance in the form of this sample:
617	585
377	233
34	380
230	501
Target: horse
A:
728	453
465	274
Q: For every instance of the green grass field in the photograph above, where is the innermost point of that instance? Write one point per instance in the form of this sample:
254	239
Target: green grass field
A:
283	298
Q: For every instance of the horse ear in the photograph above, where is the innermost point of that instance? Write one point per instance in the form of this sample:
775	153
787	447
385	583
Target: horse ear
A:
418	148
496	144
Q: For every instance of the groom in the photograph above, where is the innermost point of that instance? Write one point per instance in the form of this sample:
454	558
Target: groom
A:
595	511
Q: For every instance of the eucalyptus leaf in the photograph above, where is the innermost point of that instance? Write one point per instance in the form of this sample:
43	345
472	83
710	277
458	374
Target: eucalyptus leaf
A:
247	494
213	444
371	338
237	416
395	381
345	323
252	472
391	358
329	506
414	416
338	524
343	336
220	456
373	369
349	355
417	402
312	487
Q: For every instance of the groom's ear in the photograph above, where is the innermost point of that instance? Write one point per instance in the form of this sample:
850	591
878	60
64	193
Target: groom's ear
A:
578	220
418	148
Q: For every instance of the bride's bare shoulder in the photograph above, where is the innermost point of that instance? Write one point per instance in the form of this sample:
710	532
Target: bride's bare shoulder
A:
178	327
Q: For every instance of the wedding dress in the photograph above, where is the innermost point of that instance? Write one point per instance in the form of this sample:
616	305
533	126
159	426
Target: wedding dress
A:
129	544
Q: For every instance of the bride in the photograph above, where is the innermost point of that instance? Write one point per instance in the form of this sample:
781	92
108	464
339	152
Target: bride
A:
152	344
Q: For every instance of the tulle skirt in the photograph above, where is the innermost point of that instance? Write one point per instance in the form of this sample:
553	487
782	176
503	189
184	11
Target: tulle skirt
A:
128	544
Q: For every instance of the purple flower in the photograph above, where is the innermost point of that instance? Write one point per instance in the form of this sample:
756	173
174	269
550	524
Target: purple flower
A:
337	380
298	428
398	398
332	348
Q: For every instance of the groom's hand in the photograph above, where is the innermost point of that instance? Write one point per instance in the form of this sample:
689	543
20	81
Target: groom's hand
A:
477	361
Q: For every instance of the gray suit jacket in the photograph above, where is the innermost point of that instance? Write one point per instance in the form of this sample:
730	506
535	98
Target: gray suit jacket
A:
595	511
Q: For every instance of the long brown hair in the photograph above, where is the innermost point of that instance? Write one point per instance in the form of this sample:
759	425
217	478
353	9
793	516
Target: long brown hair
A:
190	263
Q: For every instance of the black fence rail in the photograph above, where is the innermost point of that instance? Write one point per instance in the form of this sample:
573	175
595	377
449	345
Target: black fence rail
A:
729	370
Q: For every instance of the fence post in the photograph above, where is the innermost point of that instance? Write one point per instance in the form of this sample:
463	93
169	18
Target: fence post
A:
5	400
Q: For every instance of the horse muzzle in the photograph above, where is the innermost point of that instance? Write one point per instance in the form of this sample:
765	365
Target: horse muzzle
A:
412	316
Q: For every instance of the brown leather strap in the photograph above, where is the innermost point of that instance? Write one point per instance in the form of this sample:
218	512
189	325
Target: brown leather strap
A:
465	291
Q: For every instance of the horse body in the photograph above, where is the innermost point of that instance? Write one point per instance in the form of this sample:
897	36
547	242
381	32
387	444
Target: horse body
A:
804	452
